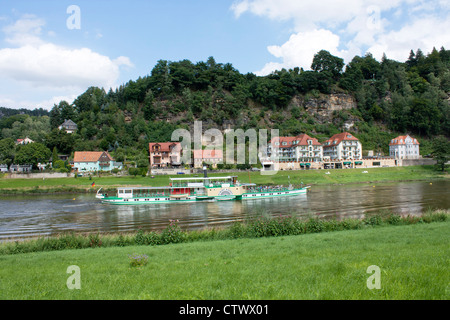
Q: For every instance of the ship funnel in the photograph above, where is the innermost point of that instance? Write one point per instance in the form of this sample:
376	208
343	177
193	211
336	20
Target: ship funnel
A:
205	173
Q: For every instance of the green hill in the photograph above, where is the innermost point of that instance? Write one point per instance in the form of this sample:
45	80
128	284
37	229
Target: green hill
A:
375	100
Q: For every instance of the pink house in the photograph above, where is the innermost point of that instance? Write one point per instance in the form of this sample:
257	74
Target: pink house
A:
165	154
211	157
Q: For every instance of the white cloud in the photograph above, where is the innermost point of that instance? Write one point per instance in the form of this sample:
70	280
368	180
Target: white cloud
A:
48	64
42	66
299	50
310	14
349	28
25	31
424	33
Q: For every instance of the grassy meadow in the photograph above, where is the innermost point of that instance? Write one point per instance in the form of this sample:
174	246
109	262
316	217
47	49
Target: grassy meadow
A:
310	177
413	262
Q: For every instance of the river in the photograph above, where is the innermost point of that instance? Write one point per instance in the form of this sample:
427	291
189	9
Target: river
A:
42	215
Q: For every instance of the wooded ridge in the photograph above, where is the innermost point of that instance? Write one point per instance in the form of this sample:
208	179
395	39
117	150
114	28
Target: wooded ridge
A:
375	100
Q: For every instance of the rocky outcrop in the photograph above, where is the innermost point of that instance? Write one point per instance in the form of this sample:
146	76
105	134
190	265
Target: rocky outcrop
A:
325	105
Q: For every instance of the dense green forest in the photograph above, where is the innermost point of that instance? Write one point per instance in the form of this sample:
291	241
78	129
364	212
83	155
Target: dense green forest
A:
392	98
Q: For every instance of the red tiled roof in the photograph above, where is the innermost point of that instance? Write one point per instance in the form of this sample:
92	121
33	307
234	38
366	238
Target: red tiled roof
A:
301	138
89	156
338	138
165	146
402	140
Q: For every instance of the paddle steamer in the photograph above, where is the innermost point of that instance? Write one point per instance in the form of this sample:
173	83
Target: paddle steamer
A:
198	189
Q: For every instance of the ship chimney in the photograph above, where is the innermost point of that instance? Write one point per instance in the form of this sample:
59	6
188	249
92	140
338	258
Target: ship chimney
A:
205	172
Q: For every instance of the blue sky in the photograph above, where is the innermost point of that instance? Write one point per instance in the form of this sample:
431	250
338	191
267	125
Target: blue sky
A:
43	61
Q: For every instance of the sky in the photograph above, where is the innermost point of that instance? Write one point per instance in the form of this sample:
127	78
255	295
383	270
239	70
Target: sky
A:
54	50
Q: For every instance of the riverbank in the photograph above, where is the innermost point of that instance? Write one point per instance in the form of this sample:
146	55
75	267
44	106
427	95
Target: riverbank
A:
254	227
411	254
309	177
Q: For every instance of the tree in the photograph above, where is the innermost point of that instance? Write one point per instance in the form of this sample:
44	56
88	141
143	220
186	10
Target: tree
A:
62	140
325	62
33	153
54	155
132	171
412	61
424	117
441	151
7	151
161	81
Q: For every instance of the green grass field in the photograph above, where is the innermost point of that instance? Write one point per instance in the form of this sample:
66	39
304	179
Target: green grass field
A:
413	260
310	177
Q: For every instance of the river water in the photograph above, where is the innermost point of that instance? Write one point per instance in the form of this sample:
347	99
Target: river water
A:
31	215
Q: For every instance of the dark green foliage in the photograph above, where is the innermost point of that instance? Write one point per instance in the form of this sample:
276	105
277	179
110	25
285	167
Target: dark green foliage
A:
441	151
402	97
32	153
173	233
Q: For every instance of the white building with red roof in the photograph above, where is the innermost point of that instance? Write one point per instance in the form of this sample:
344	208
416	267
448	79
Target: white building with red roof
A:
24	141
90	161
298	148
404	147
165	154
342	146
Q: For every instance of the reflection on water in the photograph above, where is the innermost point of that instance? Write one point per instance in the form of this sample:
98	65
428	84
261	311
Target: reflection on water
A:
25	216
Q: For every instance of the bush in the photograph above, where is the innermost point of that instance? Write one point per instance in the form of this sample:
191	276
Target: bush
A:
138	260
94	240
236	230
394	219
151	238
314	225
373	220
122	241
173	233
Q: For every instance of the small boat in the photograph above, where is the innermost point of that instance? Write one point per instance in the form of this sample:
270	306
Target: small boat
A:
198	189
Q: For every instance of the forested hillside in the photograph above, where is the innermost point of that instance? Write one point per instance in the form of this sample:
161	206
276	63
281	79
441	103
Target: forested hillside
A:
390	98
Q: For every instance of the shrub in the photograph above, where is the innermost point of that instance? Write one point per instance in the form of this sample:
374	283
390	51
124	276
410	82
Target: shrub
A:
140	238
236	230
173	233
151	238
122	241
394	219
94	240
373	220
71	241
138	260
314	225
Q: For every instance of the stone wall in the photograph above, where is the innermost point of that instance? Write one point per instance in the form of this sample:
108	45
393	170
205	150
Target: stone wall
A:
40	175
417	162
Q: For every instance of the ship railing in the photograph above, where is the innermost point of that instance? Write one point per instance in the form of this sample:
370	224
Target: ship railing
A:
267	189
